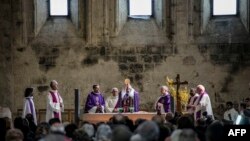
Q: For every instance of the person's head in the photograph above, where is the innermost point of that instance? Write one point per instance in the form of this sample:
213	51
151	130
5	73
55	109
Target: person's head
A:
69	129
188	135
57	129
29	117
81	135
14	135
103	133
215	131
229	105
200	89
148	130
247	102
204	114
185	122
201	122
21	123
54	85
164	89
115	91
192	92
89	129
118	119
121	133
96	88
158	119
54	121
42	130
243	106
28	92
169	116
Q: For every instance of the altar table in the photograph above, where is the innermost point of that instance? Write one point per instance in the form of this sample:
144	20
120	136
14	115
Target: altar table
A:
104	117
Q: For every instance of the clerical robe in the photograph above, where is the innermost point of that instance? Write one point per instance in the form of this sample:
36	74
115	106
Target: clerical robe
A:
165	102
203	104
191	101
54	105
94	102
132	96
29	108
110	103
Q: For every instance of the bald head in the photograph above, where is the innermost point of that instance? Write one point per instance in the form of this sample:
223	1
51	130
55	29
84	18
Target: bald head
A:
54	85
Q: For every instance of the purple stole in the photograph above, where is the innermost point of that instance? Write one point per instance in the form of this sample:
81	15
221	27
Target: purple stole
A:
198	114
31	106
56	114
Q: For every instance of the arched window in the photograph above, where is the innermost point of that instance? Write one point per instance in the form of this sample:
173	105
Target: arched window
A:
58	7
224	7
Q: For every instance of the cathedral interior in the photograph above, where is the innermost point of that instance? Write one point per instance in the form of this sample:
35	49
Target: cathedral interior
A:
100	42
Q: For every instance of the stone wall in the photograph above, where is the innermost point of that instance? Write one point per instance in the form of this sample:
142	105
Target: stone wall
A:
6	71
74	12
121	14
41	14
244	13
116	48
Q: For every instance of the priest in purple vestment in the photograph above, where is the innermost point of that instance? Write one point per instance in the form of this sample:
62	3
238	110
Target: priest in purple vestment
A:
163	103
128	99
95	101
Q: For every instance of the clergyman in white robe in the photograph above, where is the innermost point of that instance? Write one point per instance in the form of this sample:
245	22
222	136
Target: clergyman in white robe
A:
202	103
54	103
111	101
29	108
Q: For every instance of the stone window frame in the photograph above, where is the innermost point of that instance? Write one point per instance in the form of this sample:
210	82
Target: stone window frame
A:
41	10
208	16
212	9
163	20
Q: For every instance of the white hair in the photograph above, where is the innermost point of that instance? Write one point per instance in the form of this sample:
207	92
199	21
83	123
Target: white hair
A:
201	87
114	89
148	131
89	129
103	133
164	88
57	128
176	135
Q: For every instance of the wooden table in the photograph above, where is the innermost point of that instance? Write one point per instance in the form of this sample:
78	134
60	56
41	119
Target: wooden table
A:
104	117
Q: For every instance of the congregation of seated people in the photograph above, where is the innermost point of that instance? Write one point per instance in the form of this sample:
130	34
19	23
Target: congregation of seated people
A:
165	127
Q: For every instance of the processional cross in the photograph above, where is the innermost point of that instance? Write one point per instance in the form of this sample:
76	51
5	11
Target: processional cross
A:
178	83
